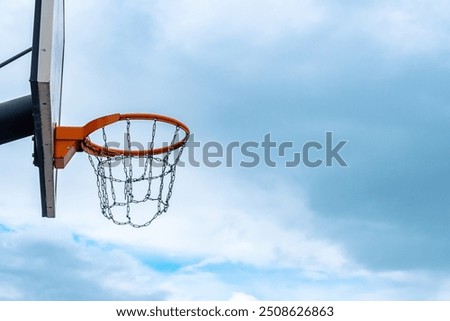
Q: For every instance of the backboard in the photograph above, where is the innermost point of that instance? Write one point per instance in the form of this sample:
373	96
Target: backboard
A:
46	84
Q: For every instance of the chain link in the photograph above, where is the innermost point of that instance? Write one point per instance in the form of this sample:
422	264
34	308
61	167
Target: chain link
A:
108	183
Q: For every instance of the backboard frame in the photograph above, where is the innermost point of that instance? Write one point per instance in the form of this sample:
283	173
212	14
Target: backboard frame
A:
46	85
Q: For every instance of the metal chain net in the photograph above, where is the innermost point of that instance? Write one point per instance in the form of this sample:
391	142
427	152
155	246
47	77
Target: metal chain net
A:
125	181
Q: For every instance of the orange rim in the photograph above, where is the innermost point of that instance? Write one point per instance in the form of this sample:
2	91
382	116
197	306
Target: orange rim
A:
96	150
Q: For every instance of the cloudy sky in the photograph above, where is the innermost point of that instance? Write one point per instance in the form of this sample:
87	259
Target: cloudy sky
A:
373	73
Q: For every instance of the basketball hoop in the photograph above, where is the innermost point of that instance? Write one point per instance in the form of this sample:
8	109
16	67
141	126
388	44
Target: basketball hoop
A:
129	176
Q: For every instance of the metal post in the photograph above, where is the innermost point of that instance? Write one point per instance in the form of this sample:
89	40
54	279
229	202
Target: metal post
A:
16	119
10	60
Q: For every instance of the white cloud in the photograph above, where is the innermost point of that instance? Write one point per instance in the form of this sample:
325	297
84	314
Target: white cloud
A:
9	292
407	27
181	23
397	27
239	296
38	264
16	26
443	292
215	217
50	264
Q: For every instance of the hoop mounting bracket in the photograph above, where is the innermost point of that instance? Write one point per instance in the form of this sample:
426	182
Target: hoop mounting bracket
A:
68	138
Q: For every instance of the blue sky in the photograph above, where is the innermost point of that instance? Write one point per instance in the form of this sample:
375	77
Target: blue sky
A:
373	73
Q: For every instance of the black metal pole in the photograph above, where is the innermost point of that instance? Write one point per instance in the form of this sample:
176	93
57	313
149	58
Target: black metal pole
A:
16	119
10	60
